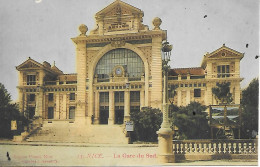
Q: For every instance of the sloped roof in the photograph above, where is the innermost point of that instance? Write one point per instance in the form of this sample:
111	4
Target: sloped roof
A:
32	64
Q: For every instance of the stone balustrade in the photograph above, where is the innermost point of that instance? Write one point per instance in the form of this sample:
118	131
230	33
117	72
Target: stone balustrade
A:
215	149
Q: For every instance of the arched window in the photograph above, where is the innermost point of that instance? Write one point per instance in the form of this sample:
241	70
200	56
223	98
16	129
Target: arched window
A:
131	62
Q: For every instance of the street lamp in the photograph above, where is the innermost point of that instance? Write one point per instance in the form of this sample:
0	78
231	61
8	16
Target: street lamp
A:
165	132
166	57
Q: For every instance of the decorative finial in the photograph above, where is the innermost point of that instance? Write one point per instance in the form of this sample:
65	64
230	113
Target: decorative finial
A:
29	57
157	22
83	29
224	44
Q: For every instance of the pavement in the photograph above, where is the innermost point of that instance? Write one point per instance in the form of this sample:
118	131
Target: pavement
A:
83	154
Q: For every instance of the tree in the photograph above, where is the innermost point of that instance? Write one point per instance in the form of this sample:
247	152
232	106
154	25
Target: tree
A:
222	92
191	121
8	112
146	123
249	103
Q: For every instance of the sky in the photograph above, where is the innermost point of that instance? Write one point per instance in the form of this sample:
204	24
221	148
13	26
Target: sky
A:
42	30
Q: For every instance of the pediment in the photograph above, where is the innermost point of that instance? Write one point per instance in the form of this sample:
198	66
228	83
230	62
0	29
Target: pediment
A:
30	63
225	52
118	8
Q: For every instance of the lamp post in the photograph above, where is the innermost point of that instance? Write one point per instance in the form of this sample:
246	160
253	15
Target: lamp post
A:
165	132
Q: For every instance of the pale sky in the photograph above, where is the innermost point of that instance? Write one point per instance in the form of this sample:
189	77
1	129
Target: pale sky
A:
43	30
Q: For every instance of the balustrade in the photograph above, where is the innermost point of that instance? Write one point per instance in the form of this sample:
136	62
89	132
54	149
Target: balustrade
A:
215	147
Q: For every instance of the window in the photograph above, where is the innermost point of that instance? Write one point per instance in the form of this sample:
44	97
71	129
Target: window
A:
72	96
119	97
197	92
132	63
31	80
31	97
72	112
50	112
50	96
104	97
223	71
134	96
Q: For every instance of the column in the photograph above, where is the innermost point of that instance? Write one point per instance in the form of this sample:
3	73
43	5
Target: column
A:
179	98
111	119
127	106
188	97
142	102
96	120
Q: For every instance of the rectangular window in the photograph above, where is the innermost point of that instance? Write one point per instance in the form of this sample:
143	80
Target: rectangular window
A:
72	112
31	97
50	96
223	71
197	92
134	96
72	96
31	79
50	112
119	97
104	97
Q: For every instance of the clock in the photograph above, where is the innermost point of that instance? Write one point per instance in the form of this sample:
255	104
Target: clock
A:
118	71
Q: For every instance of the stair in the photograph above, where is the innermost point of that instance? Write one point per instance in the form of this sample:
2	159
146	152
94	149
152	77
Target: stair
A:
71	133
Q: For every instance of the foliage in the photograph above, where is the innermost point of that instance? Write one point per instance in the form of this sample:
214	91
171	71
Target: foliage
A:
8	112
146	123
191	121
222	93
249	103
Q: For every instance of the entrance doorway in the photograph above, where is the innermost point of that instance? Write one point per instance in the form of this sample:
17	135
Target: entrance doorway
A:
31	112
103	116
119	116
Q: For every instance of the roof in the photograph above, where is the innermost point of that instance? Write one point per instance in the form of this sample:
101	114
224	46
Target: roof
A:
223	52
185	71
32	64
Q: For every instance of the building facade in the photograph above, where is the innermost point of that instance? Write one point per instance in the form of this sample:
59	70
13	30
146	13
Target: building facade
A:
118	71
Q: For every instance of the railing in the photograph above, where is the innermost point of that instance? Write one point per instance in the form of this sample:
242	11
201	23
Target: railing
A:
215	149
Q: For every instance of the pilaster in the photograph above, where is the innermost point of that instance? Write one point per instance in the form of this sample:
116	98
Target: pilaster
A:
127	106
57	107
187	96
111	119
156	72
96	116
142	103
179	98
81	58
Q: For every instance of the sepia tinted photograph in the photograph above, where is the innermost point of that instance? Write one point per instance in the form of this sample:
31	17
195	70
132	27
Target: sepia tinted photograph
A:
129	83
